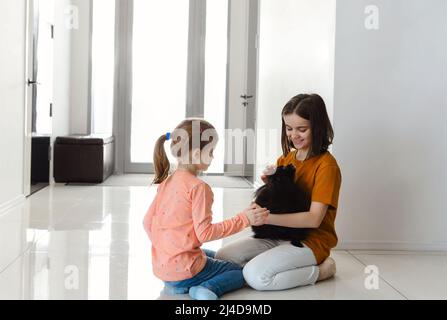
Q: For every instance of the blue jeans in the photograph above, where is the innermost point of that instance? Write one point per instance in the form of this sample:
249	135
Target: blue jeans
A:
218	276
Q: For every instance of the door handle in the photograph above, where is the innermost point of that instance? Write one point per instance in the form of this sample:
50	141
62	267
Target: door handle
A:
246	97
31	82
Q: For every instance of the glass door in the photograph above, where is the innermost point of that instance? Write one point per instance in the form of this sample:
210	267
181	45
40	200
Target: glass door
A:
159	73
103	66
178	70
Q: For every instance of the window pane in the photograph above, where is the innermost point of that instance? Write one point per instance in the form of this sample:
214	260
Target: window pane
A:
103	65
216	74
160	47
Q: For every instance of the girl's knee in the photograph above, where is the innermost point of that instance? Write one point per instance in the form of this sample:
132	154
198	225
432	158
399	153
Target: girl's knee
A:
256	277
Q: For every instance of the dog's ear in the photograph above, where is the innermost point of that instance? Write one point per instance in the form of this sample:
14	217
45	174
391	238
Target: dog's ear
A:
277	176
285	171
282	175
290	170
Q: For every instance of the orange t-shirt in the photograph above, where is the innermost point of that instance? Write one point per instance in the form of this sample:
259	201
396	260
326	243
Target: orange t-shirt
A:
319	177
179	220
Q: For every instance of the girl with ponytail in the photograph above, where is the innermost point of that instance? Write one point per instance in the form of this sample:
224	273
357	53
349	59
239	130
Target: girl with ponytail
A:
179	219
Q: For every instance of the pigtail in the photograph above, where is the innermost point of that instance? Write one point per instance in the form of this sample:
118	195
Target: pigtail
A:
161	161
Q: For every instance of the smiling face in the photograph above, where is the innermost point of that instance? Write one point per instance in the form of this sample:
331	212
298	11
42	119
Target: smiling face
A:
298	131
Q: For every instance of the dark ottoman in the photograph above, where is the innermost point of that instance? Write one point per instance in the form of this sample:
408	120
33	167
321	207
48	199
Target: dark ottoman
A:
82	158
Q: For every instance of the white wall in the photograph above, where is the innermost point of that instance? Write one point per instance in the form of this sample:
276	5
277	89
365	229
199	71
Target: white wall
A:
390	125
296	55
12	100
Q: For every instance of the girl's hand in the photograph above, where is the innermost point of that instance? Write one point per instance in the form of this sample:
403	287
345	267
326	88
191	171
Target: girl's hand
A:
268	171
256	215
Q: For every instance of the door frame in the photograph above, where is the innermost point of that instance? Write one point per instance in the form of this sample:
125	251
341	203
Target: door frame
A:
252	82
30	73
123	84
248	55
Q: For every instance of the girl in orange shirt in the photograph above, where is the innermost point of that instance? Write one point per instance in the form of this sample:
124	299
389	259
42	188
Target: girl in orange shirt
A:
179	219
274	264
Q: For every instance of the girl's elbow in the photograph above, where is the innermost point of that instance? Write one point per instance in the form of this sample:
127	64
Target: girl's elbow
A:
315	222
204	239
203	236
315	225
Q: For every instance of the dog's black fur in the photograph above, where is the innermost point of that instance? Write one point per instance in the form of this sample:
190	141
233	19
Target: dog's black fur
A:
282	195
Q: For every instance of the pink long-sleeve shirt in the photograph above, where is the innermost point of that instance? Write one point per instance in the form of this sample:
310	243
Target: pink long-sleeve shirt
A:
179	221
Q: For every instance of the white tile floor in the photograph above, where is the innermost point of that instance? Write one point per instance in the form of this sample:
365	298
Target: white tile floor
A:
87	242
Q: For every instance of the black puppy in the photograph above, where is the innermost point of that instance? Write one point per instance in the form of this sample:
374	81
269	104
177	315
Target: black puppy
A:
282	195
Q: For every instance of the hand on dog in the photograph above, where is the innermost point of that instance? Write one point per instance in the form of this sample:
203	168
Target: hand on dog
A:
256	215
268	171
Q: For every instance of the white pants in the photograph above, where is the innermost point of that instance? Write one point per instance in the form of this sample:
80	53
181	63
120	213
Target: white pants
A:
272	264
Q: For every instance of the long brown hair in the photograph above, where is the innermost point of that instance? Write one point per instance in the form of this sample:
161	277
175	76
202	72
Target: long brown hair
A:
312	108
161	161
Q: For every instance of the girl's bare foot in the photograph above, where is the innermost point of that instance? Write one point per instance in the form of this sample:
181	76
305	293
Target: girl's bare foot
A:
327	269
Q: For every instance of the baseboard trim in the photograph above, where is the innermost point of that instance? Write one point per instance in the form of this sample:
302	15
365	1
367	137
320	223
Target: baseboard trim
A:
392	245
4	207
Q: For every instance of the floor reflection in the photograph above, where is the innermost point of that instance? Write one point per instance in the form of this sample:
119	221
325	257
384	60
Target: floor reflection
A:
88	242
79	242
